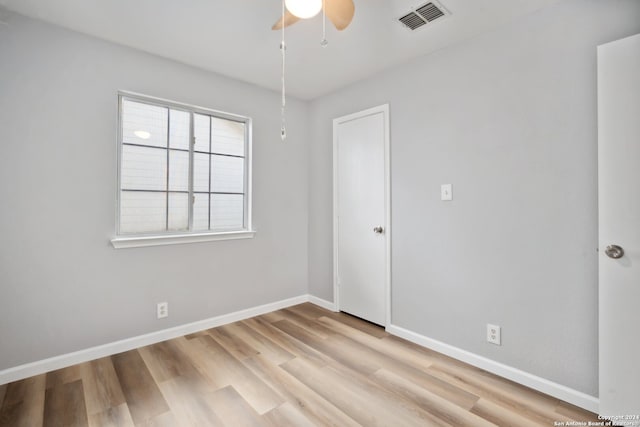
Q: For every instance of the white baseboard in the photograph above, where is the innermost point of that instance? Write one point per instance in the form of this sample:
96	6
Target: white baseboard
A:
58	362
327	305
551	388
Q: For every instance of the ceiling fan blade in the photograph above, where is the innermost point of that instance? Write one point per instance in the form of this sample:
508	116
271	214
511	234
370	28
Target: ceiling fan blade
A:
288	19
340	12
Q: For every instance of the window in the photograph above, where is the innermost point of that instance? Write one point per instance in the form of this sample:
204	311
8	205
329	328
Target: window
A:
183	172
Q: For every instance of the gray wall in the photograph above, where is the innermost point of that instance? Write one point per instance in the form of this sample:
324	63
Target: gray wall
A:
62	286
508	118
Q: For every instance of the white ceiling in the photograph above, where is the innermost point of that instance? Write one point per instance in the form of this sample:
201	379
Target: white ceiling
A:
234	37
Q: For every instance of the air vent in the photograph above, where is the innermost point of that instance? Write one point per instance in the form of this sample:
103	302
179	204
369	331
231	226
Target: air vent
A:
412	21
422	15
430	12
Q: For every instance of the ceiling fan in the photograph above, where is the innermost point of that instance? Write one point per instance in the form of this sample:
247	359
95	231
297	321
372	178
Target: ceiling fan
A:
339	12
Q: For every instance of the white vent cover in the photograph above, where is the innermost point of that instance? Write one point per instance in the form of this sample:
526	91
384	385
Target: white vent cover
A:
422	15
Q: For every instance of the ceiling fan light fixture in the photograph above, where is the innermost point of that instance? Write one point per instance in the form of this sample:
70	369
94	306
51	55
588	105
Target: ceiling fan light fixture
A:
304	8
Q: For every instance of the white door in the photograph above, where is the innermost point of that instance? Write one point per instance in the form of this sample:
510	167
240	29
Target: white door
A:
361	213
619	225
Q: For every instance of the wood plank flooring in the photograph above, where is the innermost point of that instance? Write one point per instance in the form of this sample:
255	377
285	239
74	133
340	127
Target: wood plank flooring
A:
301	366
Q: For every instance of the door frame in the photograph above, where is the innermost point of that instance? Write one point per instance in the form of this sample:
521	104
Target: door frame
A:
384	109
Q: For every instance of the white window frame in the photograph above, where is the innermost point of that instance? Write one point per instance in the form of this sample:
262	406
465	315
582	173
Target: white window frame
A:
169	238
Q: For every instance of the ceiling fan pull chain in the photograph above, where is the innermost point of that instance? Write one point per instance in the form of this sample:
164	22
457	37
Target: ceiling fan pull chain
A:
283	129
324	41
283	50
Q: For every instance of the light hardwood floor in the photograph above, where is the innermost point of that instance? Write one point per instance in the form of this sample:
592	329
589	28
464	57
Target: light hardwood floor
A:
301	366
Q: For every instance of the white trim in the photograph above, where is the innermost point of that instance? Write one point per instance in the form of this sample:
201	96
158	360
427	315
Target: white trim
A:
58	362
327	305
334	243
387	201
176	239
545	386
248	165
163	102
384	109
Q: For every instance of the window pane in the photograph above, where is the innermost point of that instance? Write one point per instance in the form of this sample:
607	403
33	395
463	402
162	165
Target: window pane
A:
201	132
178	170
227	174
200	172
179	129
144	124
201	212
143	168
160	163
142	212
227	212
178	211
228	137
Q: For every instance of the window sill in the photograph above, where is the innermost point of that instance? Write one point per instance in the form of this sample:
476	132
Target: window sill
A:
177	239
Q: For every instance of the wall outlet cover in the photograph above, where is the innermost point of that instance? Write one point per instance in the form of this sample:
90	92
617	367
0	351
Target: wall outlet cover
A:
494	334
162	310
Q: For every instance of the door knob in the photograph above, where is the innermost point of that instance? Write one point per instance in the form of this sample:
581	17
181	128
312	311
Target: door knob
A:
378	230
614	251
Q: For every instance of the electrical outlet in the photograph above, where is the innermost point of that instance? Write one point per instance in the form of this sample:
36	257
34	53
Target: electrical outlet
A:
493	334
162	310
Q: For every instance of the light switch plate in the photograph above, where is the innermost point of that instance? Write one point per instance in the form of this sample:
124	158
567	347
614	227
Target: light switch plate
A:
446	193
